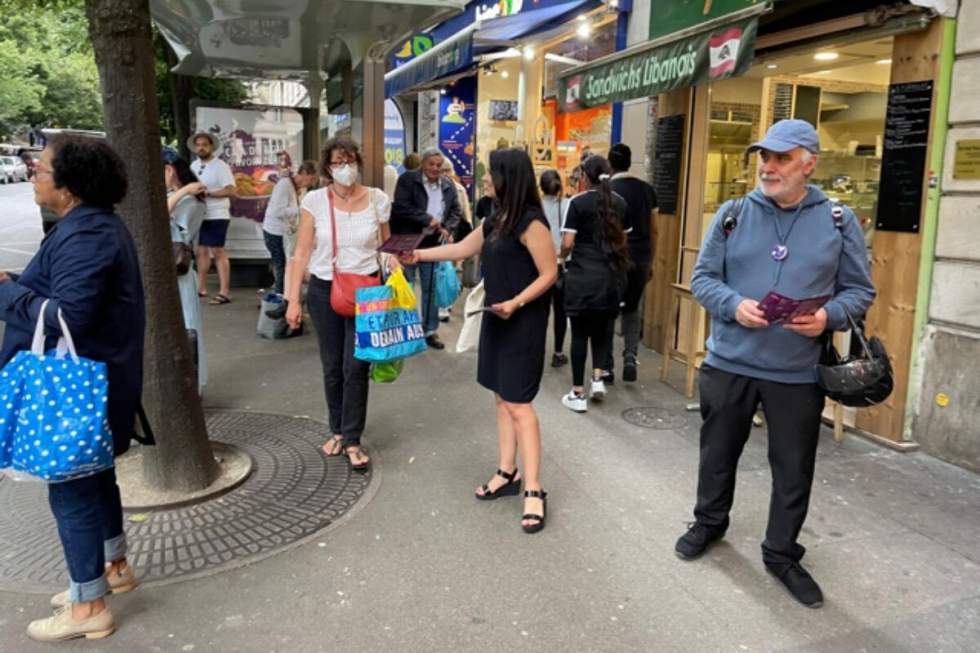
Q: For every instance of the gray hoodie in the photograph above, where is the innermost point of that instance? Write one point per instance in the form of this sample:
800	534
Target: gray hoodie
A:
822	260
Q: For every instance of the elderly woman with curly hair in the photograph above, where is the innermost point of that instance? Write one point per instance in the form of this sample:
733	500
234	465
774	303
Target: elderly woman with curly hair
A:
87	269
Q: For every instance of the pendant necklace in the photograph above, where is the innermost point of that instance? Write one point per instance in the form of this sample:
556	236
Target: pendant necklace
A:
780	251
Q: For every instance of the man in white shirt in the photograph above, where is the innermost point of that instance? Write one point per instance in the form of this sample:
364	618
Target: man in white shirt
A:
216	175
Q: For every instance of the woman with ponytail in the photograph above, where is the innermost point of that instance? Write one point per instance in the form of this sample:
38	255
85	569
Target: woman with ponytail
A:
595	277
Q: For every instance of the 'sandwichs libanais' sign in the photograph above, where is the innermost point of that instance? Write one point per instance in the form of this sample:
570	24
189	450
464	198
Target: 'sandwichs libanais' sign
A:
706	57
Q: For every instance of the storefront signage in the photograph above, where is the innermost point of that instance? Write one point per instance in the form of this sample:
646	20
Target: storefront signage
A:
457	115
903	161
413	47
676	15
450	59
706	57
966	160
667	162
394	136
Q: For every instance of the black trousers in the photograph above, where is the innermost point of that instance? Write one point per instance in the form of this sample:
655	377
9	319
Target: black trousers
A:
585	328
636	281
345	378
558	310
728	402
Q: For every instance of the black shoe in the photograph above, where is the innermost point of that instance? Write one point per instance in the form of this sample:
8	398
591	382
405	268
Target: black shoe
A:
608	377
509	489
692	544
279	312
434	342
799	583
538	519
629	370
559	359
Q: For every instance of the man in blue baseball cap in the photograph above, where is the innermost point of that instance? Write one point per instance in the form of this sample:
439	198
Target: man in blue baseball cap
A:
786	236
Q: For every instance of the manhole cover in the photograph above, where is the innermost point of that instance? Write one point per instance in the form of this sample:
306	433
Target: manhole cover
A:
293	492
652	417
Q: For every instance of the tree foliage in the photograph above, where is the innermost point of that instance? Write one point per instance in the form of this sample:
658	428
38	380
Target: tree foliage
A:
48	75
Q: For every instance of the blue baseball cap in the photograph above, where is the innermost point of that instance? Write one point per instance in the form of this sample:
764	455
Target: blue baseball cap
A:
787	134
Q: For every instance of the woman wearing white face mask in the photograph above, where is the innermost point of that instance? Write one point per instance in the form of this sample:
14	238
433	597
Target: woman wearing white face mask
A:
358	215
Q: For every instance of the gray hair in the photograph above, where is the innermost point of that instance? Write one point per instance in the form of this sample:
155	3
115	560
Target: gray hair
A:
807	156
430	152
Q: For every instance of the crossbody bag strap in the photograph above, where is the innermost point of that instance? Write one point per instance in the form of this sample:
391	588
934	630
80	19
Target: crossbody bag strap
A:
333	228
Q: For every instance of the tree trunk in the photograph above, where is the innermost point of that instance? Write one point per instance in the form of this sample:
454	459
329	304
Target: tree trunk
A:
120	33
181	91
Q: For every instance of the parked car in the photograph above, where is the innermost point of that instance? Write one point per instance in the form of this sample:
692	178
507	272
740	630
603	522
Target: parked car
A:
30	159
13	169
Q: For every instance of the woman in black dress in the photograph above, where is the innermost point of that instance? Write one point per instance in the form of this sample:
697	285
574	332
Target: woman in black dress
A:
519	268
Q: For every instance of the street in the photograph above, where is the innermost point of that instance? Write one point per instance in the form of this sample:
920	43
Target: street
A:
20	225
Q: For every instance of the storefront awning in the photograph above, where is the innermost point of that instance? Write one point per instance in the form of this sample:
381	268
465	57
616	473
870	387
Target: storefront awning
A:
710	52
456	53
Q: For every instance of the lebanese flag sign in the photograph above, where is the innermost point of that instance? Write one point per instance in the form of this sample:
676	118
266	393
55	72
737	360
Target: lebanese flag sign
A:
723	52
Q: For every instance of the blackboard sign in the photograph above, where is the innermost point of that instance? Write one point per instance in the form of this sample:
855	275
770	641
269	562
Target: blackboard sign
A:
903	161
667	162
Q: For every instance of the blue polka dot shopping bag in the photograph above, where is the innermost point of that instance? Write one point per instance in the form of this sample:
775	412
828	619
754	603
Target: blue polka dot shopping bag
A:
54	411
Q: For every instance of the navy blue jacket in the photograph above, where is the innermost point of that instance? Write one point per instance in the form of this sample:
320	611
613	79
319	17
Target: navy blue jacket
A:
87	267
409	212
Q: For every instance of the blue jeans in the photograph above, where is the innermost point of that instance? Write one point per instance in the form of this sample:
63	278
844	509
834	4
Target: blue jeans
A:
278	253
88	512
427	281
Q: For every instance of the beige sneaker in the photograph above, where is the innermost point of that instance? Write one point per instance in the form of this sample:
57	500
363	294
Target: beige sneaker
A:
61	626
124	581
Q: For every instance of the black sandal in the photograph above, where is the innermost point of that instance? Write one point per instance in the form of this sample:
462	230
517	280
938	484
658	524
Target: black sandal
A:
539	519
357	467
509	489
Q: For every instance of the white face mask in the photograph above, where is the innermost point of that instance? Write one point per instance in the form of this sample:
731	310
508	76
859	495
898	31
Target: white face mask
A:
345	175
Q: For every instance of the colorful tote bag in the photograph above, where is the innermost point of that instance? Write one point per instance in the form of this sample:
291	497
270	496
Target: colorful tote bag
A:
60	404
387	325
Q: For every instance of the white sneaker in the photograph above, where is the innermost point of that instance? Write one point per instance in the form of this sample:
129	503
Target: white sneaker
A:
598	389
575	402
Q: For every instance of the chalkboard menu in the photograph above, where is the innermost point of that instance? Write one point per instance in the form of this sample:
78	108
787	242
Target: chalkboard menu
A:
903	161
667	162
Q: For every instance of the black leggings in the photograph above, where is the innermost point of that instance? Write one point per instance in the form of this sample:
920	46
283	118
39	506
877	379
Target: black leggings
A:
586	327
558	309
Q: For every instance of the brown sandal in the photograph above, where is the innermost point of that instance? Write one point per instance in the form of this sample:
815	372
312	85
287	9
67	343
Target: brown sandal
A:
334	446
351	452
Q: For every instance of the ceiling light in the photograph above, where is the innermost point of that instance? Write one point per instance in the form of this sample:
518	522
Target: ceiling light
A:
822	72
529	53
584	31
505	74
581	17
772	66
825	56
884	62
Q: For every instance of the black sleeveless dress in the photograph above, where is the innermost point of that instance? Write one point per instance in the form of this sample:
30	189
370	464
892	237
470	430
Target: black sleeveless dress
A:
511	354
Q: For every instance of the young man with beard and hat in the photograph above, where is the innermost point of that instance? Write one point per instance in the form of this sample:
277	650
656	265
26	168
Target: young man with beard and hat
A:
217	176
787	237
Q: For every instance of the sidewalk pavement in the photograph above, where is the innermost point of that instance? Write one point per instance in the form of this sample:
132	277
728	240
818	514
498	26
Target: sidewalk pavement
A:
892	538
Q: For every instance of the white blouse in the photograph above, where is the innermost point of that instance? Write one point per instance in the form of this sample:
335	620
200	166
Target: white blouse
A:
358	234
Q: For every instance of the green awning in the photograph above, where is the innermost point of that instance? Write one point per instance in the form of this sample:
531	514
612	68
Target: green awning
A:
687	58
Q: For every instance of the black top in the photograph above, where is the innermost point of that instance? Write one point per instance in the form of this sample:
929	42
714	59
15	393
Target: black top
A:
508	267
484	207
583	213
641	200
